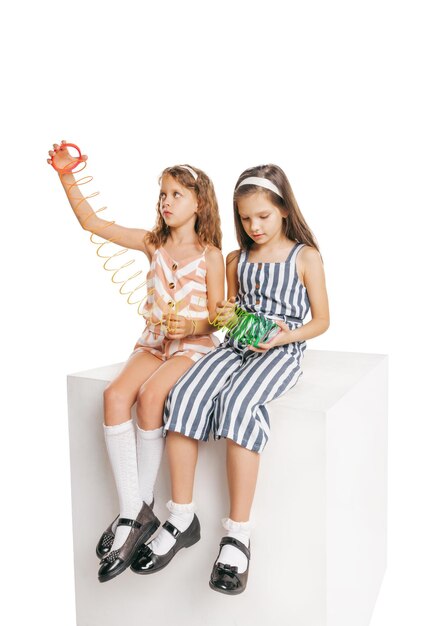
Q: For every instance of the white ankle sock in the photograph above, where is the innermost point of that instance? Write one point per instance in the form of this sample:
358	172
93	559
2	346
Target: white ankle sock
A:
230	554
121	447
150	445
181	516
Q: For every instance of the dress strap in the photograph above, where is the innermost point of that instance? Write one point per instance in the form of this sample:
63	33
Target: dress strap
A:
295	250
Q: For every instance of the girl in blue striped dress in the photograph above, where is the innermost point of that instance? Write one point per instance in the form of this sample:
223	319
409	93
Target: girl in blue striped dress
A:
276	273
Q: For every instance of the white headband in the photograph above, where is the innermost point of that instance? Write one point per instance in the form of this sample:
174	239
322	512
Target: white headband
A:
190	170
260	182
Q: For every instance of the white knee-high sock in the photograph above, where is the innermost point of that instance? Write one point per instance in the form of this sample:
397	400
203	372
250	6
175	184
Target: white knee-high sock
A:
121	448
181	516
150	445
230	554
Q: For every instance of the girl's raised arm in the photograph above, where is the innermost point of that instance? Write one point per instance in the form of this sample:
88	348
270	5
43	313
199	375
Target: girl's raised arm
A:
133	238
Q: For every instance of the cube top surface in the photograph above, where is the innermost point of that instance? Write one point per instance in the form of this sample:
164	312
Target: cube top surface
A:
327	376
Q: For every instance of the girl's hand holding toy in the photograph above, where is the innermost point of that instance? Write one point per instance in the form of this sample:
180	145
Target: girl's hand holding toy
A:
61	159
225	312
280	339
177	326
248	329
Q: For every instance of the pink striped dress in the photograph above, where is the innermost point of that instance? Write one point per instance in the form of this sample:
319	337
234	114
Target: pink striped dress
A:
179	286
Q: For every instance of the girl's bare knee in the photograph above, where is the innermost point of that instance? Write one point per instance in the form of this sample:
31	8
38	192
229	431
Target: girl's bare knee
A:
149	408
115	399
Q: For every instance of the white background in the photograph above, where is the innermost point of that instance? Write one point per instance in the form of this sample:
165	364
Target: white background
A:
330	91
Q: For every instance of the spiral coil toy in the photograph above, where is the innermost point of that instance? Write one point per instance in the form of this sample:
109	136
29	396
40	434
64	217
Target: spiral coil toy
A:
246	328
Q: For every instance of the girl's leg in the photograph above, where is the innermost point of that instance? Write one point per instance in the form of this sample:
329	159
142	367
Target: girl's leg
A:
205	379
151	385
182	526
119	433
230	570
150	405
154	390
182	454
121	393
242	467
244	420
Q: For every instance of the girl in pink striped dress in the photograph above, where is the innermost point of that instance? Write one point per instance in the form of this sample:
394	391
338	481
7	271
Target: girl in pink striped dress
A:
184	285
176	288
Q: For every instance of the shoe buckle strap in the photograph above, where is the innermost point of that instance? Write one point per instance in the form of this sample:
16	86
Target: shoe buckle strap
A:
171	529
124	521
237	544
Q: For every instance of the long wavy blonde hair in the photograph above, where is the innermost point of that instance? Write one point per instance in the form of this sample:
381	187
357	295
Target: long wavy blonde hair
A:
294	225
207	225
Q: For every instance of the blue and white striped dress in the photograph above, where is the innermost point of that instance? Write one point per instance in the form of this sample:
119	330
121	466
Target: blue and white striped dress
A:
226	392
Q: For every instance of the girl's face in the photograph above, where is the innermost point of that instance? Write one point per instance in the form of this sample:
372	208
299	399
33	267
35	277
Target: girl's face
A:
261	220
178	204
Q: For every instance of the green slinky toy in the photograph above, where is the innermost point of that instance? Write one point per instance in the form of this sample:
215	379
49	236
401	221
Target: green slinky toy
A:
250	329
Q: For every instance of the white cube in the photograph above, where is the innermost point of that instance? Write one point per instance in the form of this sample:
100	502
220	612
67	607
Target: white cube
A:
319	546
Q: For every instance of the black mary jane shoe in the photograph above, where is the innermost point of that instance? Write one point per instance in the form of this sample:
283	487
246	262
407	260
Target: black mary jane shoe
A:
116	562
225	578
147	562
107	538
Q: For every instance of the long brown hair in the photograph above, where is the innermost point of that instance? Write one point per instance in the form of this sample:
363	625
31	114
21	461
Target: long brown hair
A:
294	225
207	225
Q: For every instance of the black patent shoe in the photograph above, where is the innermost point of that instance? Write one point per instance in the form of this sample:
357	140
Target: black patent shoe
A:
147	562
225	578
107	538
116	562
